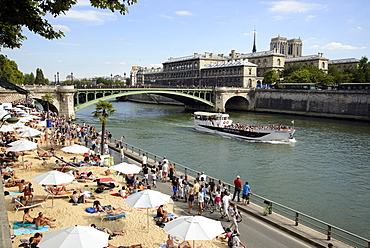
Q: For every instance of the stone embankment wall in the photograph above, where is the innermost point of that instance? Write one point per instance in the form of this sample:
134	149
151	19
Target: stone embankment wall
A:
325	103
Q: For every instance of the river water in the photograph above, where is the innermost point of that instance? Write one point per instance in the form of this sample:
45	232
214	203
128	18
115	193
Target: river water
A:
324	174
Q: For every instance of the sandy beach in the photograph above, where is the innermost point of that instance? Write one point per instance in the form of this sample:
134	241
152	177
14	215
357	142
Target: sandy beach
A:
67	214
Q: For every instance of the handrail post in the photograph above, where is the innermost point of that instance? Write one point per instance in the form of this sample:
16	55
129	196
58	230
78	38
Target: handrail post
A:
296	218
139	151
329	233
155	159
132	149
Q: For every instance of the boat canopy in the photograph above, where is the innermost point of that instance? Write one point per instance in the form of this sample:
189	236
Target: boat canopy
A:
211	114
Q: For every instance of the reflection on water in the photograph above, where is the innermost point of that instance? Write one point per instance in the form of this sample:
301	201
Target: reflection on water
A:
324	174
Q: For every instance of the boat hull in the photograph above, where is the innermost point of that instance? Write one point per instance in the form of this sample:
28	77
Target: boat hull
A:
257	135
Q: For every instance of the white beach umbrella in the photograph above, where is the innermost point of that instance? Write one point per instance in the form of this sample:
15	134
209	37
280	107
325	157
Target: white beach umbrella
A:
30	133
41	124
147	198
194	228
53	178
75	149
126	168
25	142
20	106
6	128
20	147
75	237
17	125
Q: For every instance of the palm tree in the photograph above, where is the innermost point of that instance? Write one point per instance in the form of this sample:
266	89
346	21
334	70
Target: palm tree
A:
103	110
48	99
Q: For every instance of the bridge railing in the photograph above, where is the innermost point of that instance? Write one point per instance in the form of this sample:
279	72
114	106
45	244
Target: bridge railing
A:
326	229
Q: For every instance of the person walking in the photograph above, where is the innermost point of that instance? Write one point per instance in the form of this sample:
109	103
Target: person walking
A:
234	214
246	193
237	187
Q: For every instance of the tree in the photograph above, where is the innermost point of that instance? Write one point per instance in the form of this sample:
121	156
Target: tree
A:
271	77
103	110
47	99
9	70
29	79
300	77
40	79
15	14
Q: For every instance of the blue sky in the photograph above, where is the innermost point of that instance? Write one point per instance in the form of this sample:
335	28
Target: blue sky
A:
101	43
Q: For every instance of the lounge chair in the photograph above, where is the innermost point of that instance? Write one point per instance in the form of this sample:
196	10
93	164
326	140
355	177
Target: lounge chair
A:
104	215
20	206
51	194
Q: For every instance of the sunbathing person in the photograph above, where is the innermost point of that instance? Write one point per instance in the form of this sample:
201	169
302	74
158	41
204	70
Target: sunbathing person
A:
27	219
83	175
58	189
29	203
27	192
42	220
171	243
161	213
21	185
78	197
111	233
109	209
131	246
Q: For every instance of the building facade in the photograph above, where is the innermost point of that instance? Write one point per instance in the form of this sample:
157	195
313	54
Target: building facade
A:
232	70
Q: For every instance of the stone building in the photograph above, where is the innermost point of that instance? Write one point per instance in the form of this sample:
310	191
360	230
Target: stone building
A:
343	64
232	70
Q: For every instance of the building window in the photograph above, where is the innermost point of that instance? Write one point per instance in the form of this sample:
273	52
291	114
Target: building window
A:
250	71
323	65
278	62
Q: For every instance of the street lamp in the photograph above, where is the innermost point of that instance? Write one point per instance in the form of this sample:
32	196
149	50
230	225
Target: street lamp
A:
58	77
10	120
72	77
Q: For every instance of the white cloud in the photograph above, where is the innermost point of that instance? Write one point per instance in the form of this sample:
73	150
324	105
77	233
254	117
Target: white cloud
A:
59	61
293	6
340	46
359	28
155	65
108	63
122	63
62	28
310	17
165	16
278	18
90	16
183	13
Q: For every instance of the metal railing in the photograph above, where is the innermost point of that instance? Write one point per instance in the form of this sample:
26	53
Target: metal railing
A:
328	230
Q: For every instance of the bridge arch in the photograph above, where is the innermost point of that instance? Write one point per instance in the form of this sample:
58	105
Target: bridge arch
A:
85	99
237	103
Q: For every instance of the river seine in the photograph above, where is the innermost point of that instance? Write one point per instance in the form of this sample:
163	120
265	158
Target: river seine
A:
324	174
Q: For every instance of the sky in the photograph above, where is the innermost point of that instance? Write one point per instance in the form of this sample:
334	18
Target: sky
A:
100	43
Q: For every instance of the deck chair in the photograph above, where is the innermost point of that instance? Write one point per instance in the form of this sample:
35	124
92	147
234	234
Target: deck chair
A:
104	215
51	194
20	206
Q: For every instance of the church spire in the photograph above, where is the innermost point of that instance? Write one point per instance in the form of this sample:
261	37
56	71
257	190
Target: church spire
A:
254	49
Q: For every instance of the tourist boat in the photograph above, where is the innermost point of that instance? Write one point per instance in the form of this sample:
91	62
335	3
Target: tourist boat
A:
219	123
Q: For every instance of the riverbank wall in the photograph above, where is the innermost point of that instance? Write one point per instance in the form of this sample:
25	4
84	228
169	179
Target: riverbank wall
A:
319	103
353	105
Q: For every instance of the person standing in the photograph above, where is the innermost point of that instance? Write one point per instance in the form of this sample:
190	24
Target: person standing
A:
164	169
226	203
234	214
201	200
246	193
144	160
122	153
237	187
146	174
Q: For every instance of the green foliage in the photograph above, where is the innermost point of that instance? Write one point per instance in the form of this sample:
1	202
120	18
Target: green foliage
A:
271	77
9	70
103	110
300	77
29	79
15	14
40	79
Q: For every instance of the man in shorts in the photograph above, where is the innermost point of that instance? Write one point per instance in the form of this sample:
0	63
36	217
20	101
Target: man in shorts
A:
246	193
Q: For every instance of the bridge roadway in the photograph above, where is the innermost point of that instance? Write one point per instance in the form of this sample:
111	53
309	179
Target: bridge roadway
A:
256	230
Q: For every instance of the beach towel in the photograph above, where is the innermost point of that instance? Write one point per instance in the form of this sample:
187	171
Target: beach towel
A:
16	193
18	224
108	179
116	194
30	230
170	215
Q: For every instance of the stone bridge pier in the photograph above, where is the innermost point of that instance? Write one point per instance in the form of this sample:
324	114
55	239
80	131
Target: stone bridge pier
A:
233	99
63	98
